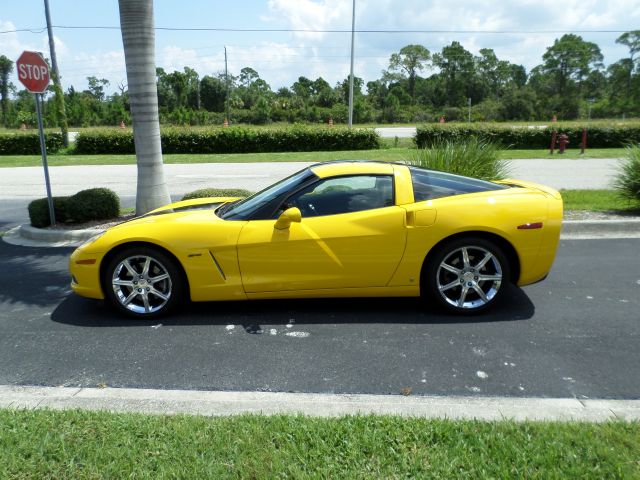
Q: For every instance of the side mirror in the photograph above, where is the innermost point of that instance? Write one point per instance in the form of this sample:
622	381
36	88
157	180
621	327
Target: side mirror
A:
287	217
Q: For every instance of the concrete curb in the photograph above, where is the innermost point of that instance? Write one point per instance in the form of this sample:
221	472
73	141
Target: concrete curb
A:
213	403
28	236
625	228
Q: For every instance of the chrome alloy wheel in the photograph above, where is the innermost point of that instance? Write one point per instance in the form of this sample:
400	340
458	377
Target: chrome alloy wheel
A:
141	284
469	277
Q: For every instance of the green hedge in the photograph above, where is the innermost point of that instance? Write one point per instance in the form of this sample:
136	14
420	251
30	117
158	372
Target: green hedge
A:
28	143
84	206
39	211
217	192
599	135
234	140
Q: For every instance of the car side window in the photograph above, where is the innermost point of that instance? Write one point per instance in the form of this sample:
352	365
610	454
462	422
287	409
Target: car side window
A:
430	184
346	194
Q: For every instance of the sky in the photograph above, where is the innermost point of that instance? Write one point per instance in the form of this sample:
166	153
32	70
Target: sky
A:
519	31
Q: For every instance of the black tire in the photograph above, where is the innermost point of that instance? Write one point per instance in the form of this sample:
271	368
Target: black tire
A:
466	286
143	282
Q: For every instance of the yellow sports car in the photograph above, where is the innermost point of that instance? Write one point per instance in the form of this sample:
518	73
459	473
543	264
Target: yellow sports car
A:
337	229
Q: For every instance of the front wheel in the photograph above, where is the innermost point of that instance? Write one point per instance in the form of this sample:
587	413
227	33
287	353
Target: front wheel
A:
466	276
142	282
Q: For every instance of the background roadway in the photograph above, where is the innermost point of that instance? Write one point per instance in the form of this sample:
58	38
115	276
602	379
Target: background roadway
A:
18	186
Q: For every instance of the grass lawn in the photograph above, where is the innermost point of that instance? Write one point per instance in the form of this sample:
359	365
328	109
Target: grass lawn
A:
80	444
598	201
390	154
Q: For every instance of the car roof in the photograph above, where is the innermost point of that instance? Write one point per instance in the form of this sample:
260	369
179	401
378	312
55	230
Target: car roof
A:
351	167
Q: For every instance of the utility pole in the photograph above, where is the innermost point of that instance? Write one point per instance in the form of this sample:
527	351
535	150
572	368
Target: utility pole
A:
353	32
59	98
226	79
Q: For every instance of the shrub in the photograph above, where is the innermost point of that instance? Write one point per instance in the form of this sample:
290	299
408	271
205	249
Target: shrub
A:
217	192
28	143
234	140
93	204
105	141
84	206
627	182
472	158
599	134
39	211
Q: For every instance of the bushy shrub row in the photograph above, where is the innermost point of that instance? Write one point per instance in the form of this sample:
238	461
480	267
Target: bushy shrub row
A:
28	143
235	140
627	182
472	157
84	206
599	135
217	192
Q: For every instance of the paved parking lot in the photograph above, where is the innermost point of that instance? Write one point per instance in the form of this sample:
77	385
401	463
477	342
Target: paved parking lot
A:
574	335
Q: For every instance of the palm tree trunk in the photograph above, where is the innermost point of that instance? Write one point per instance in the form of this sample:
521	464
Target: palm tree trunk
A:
138	38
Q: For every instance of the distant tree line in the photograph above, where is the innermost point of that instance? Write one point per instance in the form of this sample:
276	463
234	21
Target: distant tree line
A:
418	86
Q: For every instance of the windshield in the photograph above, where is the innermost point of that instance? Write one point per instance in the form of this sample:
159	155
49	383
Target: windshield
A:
243	209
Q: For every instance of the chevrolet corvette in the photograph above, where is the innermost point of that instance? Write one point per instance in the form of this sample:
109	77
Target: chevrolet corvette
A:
336	229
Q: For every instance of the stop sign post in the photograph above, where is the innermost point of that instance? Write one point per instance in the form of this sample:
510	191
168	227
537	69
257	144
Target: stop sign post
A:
33	73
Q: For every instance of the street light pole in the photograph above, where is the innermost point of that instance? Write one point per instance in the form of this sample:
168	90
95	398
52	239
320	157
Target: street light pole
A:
57	85
226	80
353	32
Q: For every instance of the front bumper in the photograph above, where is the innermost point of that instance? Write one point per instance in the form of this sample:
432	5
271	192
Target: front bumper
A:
85	274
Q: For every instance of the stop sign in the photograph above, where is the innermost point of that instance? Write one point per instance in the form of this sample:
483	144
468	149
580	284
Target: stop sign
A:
33	72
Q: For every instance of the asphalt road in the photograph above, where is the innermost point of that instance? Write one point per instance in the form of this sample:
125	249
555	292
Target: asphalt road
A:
574	335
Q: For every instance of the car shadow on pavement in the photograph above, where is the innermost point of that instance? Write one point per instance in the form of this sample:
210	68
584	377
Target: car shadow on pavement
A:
74	310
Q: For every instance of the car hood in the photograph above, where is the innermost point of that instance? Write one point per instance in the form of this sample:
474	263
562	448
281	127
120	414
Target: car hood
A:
194	204
165	222
182	209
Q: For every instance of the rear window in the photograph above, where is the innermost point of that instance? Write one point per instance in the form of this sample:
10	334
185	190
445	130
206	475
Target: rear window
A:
430	184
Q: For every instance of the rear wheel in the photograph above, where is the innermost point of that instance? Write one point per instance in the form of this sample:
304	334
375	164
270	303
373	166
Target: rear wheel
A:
143	282
466	275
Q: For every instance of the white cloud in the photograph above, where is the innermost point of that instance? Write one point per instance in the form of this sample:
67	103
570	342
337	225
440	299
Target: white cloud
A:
280	58
312	15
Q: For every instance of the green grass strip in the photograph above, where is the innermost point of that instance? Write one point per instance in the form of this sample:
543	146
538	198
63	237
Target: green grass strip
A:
391	154
78	444
598	201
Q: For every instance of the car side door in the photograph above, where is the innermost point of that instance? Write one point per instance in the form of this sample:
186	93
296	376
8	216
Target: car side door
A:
351	235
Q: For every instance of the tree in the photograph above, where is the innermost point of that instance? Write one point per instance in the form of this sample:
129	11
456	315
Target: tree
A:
248	76
6	67
343	89
96	87
495	75
631	40
213	93
193	88
406	64
303	88
457	70
570	59
138	39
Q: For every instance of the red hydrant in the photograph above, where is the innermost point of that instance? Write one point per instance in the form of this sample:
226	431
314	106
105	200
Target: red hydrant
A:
563	141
